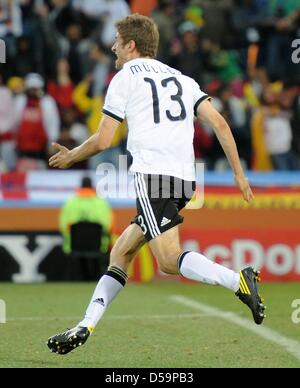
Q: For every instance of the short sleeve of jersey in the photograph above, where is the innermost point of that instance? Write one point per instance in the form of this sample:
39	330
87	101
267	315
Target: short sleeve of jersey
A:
199	96
116	96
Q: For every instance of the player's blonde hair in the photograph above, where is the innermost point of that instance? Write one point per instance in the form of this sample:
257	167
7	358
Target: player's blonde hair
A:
143	31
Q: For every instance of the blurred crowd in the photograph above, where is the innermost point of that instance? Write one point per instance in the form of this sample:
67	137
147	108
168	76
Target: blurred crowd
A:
59	65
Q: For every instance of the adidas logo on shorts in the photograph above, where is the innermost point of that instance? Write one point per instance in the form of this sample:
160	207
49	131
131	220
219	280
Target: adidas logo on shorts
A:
165	221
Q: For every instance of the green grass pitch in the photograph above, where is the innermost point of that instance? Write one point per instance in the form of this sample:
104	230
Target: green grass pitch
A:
145	327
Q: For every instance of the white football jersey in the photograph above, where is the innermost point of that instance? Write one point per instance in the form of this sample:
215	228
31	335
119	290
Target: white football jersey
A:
159	104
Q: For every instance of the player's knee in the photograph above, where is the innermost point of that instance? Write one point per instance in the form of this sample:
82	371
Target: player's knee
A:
168	264
168	268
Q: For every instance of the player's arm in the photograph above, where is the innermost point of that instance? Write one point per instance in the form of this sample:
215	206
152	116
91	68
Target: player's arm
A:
98	142
209	115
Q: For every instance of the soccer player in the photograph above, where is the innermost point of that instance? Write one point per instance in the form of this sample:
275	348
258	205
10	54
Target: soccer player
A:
159	104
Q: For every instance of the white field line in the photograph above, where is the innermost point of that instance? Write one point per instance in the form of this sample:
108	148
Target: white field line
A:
290	345
113	317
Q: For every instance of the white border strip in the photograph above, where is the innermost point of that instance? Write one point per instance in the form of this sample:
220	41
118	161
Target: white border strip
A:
143	184
147	217
146	206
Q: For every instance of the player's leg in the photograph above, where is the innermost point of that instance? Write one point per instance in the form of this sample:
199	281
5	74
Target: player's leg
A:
111	283
109	286
192	265
158	217
195	266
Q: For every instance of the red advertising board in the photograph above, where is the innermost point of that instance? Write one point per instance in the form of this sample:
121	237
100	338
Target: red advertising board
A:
276	253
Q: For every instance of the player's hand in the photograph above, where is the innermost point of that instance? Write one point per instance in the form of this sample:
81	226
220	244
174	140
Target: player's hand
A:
243	184
62	158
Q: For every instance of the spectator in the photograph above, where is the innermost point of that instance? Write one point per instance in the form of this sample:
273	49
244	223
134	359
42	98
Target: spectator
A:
90	8
273	124
289	102
37	123
106	11
114	11
285	23
32	31
16	85
278	137
164	18
78	131
248	17
188	58
62	14
254	86
143	7
7	125
217	21
11	26
91	106
92	14
75	54
25	58
294	96
102	63
72	133
62	88
53	43
203	142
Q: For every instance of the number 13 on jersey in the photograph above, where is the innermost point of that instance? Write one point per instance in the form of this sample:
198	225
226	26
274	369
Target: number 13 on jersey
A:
174	97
